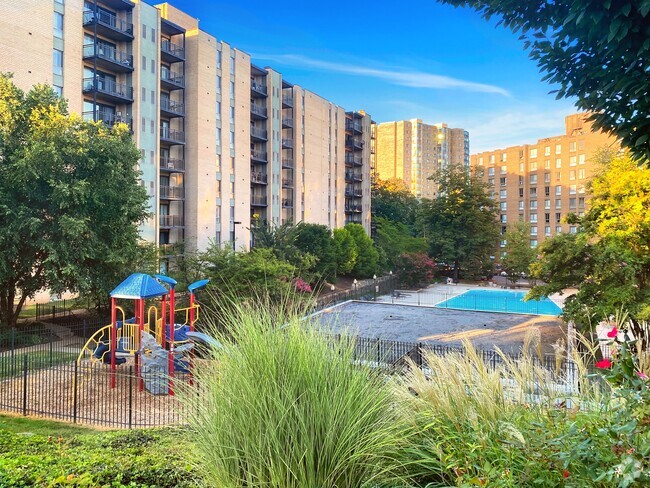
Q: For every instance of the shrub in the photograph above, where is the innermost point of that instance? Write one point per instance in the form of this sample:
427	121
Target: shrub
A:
285	408
367	256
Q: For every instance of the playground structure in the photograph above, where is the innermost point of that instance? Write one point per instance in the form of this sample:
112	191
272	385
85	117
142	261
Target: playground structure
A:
158	344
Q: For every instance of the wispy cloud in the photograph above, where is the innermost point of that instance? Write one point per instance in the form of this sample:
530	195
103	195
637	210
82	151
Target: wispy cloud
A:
403	77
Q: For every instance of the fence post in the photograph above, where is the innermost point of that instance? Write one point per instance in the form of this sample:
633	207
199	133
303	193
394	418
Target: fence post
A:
74	392
378	352
51	350
13	351
419	356
53	311
25	385
131	397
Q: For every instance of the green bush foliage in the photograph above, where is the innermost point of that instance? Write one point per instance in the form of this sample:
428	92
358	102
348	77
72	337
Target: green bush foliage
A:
137	458
367	256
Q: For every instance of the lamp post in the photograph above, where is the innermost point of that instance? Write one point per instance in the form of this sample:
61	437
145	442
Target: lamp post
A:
234	233
374	277
355	285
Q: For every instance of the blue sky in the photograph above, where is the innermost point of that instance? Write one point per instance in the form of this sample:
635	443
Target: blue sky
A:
397	60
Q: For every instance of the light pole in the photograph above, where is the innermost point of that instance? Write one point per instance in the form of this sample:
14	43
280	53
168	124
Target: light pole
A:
355	285
374	277
234	233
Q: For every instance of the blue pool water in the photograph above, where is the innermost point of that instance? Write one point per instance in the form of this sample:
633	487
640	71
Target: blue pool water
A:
501	301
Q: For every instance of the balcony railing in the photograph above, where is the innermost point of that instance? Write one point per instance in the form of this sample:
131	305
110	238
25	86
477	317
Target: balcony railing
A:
352	176
258	88
287	163
258	200
172	192
353	126
172	106
171	221
109	118
108	87
258	156
259	177
287	100
172	135
287	203
172	164
353	209
108	20
172	78
288	143
354	143
355	160
108	53
287	182
258	133
168	47
258	110
287	122
172	249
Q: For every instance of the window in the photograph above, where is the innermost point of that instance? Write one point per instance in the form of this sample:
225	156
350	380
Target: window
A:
533	205
502	181
572	161
232	115
558	229
581	202
502	193
573	229
521	204
547	150
503	243
572	147
558	175
232	90
547	230
533	243
547	164
533	192
558	163
521	193
547	177
503	206
581	188
572	203
558	190
547	203
558	204
504	169
490	171
232	140
533	179
491	181
521	181
521	167
153	66
144	31
558	217
533	218
533	230
491	158
219	59
218	85
533	153
547	217
143	125
144	94
573	190
504	219
57	62
58	90
58	25
547	191
581	174
533	165
581	159
572	174
558	149
504	157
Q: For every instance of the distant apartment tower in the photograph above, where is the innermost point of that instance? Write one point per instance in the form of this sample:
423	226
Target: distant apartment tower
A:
541	183
222	141
412	151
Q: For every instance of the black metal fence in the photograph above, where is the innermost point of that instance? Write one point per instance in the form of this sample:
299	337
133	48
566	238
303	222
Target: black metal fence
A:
61	308
369	290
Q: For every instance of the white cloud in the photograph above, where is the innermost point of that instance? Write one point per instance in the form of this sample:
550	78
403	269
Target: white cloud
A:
403	77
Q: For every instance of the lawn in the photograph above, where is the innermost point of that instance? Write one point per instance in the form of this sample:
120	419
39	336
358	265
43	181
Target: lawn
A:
35	360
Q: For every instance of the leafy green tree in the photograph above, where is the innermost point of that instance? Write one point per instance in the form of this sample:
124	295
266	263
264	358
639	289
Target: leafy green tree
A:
597	51
395	238
608	259
415	269
461	222
316	240
282	240
70	199
392	200
519	255
367	256
345	250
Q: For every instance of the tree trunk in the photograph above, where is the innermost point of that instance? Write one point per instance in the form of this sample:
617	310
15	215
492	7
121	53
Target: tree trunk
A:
456	271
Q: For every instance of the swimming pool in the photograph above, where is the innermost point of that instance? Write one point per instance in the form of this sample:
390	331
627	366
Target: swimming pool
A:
500	301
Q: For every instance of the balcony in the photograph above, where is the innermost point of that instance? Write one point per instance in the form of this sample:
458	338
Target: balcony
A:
169	221
258	90
287	203
257	111
171	108
287	182
170	52
287	163
176	249
259	178
353	126
287	143
108	25
354	144
353	209
172	192
287	123
171	136
258	156
109	118
258	134
352	176
353	160
108	57
172	164
107	90
258	200
287	101
170	80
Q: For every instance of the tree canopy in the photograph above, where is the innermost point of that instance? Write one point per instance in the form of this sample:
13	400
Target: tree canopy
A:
461	222
70	199
597	51
519	255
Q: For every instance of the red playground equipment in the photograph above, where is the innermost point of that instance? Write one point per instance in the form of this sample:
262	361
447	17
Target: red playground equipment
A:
152	340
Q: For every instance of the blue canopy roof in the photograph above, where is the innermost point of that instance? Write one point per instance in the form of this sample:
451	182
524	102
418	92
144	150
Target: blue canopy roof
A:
197	285
139	285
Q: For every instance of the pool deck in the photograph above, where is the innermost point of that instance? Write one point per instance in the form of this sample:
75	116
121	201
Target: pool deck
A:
406	322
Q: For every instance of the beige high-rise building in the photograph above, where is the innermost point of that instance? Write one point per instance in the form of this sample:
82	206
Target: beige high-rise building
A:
541	183
412	151
222	140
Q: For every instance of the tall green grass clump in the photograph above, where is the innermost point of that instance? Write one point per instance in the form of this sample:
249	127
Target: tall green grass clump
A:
283	406
511	424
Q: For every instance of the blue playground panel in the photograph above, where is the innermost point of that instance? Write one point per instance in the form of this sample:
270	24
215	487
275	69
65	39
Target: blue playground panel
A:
501	301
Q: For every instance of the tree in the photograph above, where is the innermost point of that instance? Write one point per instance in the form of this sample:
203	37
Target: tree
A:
519	255
367	256
316	240
597	51
461	221
392	200
282	240
345	251
395	238
415	269
608	259
70	199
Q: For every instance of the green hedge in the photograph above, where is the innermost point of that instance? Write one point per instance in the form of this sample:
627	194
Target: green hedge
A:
137	458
